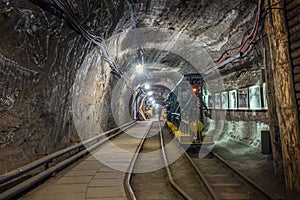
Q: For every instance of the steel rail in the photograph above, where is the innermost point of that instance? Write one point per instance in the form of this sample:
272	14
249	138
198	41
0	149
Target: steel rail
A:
213	192
45	160
86	146
258	190
128	176
170	176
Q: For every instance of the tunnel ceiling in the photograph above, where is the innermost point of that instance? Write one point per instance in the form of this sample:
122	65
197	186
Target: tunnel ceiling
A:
217	25
158	60
214	25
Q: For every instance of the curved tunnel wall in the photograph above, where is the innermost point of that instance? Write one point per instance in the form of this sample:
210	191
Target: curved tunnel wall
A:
40	56
47	93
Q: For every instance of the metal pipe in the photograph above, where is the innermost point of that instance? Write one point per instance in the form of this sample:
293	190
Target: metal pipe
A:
20	171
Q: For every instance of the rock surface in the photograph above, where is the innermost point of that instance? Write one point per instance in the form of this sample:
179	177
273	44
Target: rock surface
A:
53	82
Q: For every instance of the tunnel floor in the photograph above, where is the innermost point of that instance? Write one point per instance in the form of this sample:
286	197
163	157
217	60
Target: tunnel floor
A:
255	166
91	179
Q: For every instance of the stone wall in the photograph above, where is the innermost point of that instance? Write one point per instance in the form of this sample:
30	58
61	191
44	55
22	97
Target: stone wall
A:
53	82
40	56
242	125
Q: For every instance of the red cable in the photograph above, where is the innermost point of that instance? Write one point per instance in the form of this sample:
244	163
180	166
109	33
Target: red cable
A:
252	35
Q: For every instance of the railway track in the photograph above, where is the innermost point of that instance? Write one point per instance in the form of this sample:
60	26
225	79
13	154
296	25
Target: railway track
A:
225	182
188	177
16	182
179	177
140	185
179	180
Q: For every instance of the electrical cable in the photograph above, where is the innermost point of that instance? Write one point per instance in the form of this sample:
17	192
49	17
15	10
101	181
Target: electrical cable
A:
246	44
98	41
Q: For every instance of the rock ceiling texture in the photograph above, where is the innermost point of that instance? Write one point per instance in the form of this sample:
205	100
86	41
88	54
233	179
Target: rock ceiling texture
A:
41	55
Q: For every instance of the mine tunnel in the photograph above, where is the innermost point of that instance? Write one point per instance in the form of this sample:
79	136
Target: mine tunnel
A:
149	99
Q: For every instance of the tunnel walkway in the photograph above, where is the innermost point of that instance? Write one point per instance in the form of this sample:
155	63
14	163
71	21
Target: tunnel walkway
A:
102	175
90	178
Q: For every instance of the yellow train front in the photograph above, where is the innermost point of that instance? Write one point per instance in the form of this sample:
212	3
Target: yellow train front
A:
190	133
184	113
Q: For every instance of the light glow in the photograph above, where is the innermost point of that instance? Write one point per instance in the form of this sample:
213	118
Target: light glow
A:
139	69
147	86
150	93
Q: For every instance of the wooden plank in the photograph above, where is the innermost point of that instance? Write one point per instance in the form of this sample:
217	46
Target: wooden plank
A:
288	1
295	53
294	29
292	5
293	12
296	62
294	20
296	70
272	114
295	45
294	37
297	78
297	87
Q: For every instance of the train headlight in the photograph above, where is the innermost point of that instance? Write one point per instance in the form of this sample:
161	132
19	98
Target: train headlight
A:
196	126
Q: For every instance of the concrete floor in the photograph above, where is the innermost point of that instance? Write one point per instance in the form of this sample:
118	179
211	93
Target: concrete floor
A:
91	179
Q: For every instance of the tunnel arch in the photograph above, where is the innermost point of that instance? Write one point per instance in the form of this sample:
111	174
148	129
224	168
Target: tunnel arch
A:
102	98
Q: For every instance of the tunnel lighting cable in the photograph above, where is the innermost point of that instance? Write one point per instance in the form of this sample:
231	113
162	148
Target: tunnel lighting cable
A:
97	40
141	50
132	15
245	46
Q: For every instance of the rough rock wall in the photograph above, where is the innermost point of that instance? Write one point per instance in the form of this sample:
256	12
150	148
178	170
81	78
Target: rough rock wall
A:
39	58
91	97
218	25
243	125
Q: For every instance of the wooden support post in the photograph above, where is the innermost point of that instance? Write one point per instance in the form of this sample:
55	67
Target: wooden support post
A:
273	120
286	107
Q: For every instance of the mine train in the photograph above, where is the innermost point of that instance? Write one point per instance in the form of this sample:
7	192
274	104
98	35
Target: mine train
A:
185	111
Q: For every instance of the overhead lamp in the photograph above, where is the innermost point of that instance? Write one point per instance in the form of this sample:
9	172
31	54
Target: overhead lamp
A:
147	86
150	93
139	69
